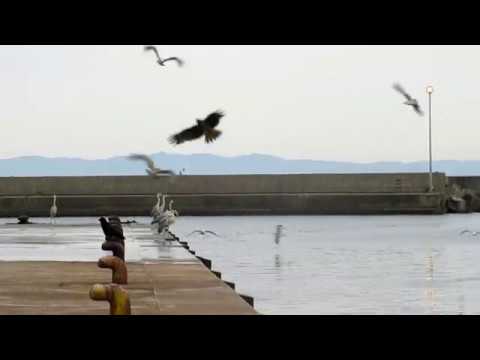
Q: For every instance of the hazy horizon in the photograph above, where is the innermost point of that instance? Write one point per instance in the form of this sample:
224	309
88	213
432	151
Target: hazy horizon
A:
316	102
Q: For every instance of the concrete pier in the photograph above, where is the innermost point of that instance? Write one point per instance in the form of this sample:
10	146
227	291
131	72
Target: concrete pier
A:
226	195
49	270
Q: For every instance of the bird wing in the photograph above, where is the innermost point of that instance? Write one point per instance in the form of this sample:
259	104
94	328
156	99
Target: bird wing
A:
211	232
179	61
143	157
417	109
189	134
400	89
154	49
193	232
213	119
464	232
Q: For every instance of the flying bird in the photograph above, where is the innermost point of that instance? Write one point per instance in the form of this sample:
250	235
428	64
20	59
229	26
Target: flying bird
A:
202	232
474	233
410	101
161	61
203	128
151	170
53	209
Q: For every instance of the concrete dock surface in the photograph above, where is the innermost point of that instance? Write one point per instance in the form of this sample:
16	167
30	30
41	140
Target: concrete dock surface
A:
49	270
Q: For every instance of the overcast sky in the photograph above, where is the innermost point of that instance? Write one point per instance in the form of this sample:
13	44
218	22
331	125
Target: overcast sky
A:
297	102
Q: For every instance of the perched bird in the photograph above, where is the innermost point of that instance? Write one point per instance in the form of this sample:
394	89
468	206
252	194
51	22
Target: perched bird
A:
170	214
161	61
410	101
53	209
203	128
202	232
111	230
157	210
152	170
171	209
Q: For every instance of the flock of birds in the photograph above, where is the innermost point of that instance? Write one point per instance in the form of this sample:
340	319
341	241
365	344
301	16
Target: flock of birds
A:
207	129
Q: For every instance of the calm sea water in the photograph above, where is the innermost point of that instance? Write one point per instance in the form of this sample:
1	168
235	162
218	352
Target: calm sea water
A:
346	264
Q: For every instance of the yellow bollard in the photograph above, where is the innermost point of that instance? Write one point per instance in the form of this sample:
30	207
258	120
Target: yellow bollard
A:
115	295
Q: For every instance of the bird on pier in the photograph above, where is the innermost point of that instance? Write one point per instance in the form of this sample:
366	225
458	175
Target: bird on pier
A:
151	170
203	128
111	230
171	214
410	101
157	210
53	209
203	233
161	61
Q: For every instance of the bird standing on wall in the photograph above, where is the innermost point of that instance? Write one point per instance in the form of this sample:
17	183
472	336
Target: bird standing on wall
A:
203	128
151	170
161	61
53	209
410	101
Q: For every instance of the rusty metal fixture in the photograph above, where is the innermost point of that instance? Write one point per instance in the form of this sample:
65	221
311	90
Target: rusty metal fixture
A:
230	284
119	269
248	299
206	262
115	247
115	295
24	219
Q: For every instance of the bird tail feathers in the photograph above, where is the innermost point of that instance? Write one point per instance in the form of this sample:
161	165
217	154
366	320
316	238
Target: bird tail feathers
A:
211	135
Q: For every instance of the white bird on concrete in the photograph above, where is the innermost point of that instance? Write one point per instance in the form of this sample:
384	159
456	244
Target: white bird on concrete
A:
410	101
151	170
171	214
161	61
53	209
157	210
202	232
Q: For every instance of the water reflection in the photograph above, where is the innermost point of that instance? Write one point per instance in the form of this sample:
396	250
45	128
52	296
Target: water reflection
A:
278	234
430	291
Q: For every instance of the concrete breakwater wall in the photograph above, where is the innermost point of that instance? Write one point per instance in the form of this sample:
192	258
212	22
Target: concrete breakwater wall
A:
226	194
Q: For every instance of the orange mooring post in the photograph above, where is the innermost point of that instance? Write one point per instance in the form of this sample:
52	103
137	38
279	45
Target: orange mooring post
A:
119	269
115	295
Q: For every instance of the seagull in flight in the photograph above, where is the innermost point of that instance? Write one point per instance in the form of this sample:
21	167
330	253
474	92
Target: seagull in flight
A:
203	128
474	233
151	170
161	61
410	101
203	232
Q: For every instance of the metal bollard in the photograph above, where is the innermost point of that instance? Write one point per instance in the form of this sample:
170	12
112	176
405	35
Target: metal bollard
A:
115	295
115	247
119	269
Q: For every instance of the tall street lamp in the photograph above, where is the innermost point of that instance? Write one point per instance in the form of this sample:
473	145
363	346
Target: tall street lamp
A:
429	92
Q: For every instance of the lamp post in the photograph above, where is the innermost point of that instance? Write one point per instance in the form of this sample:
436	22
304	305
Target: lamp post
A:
429	92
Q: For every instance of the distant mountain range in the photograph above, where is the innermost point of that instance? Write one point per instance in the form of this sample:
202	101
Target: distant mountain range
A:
205	164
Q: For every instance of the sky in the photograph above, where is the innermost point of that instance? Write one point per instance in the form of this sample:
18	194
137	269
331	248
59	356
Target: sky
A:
318	102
